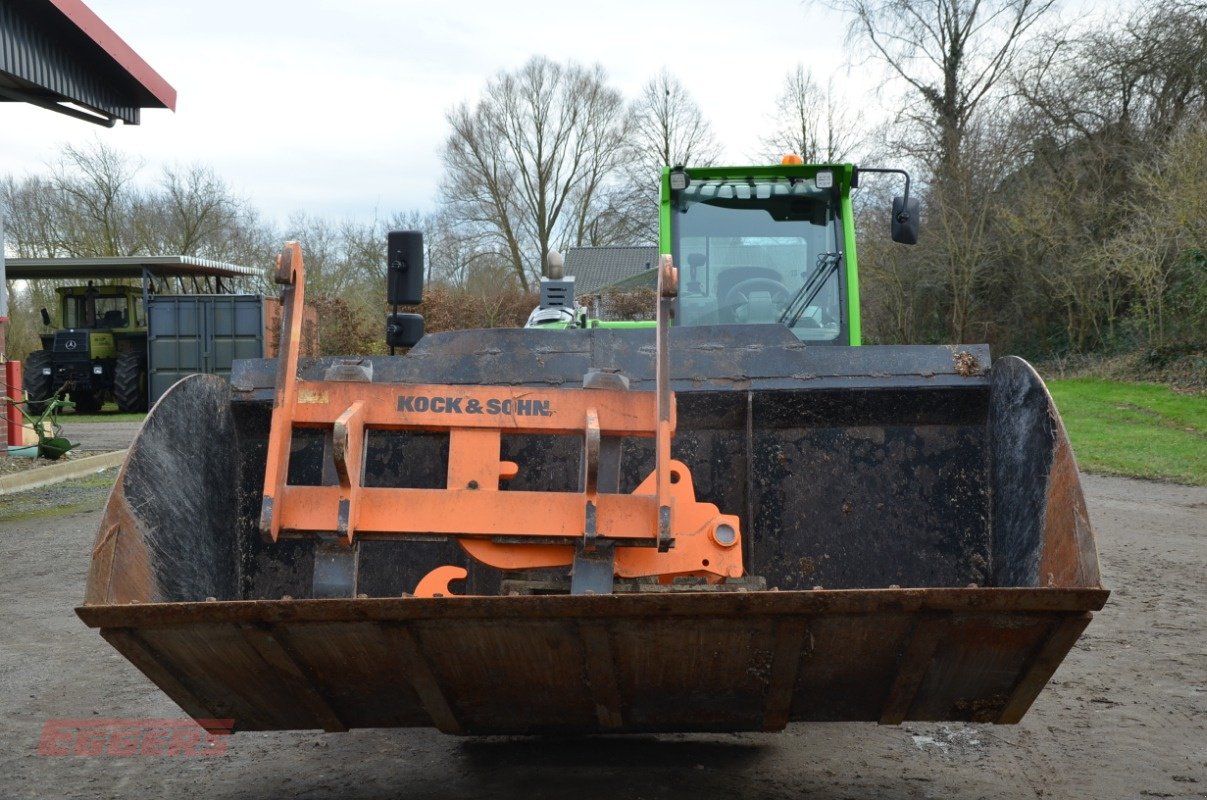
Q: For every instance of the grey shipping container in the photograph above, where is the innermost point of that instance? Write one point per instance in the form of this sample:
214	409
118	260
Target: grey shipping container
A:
200	333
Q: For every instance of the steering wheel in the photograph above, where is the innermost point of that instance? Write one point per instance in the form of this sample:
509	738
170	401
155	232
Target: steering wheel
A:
738	295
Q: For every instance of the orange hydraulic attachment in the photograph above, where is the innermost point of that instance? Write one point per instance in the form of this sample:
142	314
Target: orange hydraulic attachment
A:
657	530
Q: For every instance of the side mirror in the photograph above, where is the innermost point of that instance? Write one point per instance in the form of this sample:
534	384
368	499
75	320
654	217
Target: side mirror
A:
45	317
404	268
905	220
403	330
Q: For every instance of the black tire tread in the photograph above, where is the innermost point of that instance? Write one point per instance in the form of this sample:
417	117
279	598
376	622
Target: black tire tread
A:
129	382
38	387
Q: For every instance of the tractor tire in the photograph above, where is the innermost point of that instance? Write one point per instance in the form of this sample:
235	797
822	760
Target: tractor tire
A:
38	387
130	382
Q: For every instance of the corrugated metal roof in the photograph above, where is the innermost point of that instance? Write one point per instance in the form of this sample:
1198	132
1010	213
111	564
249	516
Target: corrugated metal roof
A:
123	267
595	268
57	51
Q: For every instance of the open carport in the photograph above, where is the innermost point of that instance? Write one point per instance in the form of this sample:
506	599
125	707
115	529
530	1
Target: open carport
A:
165	317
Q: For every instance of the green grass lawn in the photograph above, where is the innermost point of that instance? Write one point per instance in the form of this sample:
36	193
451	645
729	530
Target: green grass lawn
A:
104	416
108	413
1141	430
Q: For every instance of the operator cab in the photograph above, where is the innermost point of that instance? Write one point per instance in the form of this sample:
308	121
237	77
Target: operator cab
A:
88	311
100	307
771	245
762	251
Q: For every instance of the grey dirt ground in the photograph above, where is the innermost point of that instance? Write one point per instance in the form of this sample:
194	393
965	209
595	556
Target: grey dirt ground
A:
100	436
1125	716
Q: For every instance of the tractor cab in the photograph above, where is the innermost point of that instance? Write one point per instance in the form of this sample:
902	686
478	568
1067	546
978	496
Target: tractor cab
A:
102	307
760	245
770	245
764	250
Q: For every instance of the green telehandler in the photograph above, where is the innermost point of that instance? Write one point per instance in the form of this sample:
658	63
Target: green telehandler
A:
735	522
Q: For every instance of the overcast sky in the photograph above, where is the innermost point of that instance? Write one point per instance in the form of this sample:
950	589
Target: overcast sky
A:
337	107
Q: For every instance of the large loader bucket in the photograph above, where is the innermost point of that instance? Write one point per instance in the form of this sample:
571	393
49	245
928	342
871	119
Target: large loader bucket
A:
917	518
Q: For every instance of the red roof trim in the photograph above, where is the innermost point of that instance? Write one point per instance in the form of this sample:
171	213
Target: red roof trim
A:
96	30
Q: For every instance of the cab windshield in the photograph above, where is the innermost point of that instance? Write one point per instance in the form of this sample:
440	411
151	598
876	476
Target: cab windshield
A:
759	252
96	311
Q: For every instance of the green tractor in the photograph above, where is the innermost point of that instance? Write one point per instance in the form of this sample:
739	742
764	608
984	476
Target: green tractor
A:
100	352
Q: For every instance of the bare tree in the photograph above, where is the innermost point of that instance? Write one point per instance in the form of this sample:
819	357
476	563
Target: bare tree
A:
606	131
526	164
93	204
954	55
1134	82
199	208
951	52
810	121
96	201
32	217
336	263
458	256
666	128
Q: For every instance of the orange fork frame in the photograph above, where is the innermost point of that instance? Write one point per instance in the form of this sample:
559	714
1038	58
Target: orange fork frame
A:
658	530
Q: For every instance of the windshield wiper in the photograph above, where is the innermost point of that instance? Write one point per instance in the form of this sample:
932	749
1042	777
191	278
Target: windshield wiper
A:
827	265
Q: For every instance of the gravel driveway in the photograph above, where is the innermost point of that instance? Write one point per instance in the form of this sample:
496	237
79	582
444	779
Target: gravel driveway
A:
1124	717
100	436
